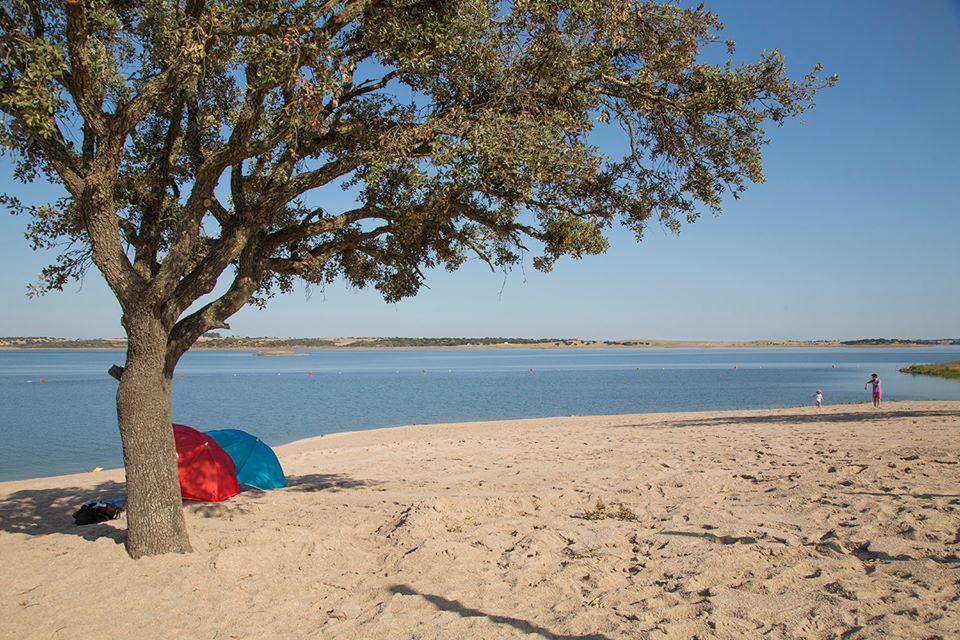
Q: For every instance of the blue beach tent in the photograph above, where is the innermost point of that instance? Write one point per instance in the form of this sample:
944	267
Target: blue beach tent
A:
256	463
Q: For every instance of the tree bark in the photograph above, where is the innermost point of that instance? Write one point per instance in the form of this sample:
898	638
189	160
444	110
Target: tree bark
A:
155	522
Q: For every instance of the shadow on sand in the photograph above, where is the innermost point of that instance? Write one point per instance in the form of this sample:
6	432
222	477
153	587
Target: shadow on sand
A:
40	512
454	606
712	537
867	415
890	494
862	552
332	482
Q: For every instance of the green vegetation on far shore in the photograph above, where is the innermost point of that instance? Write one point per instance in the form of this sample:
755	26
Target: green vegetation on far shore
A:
939	369
895	342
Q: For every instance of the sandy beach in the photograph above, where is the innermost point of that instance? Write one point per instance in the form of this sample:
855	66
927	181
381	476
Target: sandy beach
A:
785	523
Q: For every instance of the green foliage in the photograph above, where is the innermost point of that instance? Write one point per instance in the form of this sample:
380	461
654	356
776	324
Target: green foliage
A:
465	128
886	342
941	370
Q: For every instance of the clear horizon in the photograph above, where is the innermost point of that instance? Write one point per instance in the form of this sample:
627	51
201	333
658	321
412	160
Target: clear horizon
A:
854	234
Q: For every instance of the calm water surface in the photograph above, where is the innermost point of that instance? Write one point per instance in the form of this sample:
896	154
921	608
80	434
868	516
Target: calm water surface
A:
68	424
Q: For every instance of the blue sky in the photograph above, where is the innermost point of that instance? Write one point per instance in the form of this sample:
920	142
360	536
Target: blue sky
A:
855	233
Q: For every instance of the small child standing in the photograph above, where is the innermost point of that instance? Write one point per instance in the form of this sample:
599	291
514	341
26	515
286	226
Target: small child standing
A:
874	382
819	396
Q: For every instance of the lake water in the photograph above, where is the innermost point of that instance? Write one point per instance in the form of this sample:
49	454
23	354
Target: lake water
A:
68	424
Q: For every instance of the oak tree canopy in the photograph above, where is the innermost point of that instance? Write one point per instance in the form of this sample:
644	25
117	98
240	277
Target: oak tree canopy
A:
191	139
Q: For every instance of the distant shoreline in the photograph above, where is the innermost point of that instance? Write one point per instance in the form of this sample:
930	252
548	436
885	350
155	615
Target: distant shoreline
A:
288	346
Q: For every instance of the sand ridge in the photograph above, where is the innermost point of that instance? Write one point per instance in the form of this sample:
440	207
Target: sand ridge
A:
784	523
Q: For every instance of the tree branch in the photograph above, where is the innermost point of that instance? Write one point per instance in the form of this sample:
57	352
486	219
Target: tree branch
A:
129	114
214	314
84	88
321	253
202	279
307	229
201	198
147	248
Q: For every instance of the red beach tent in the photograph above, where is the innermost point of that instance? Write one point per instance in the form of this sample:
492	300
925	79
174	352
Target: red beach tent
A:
206	471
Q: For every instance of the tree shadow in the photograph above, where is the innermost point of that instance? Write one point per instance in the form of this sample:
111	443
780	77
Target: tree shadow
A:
41	512
863	552
712	537
867	554
867	415
215	509
889	494
454	606
332	482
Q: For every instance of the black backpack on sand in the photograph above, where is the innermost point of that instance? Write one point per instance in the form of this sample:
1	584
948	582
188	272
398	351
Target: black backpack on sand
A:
94	512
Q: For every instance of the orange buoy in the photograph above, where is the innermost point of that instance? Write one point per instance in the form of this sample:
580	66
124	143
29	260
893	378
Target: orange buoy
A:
42	380
182	376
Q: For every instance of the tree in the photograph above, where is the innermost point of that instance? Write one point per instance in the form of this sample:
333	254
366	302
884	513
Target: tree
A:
188	136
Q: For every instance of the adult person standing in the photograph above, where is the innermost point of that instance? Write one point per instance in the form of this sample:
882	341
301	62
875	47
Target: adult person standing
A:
874	381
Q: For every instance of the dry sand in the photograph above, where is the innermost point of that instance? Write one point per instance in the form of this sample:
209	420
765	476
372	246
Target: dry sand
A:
788	523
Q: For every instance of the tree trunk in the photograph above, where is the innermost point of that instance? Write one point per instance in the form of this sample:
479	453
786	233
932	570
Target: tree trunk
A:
155	522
